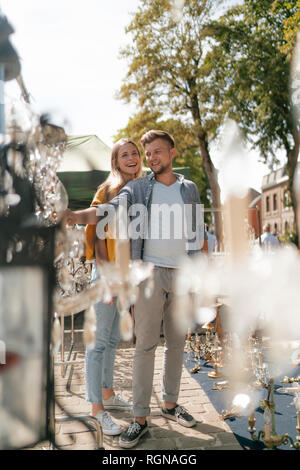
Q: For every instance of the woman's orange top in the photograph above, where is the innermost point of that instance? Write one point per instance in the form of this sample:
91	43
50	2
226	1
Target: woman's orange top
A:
90	233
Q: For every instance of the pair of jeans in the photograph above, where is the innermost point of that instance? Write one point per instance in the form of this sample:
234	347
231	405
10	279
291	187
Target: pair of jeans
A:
99	361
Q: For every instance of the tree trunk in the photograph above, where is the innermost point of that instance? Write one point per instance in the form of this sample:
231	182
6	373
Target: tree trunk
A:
211	173
208	165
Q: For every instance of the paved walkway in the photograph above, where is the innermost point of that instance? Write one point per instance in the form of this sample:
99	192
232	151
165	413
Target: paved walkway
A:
210	433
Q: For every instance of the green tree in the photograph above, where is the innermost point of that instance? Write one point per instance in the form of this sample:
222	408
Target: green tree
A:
186	145
291	22
167	73
249	62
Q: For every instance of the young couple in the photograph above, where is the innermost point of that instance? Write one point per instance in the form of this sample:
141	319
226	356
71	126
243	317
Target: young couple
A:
162	186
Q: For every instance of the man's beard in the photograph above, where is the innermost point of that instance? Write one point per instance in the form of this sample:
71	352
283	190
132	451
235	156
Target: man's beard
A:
160	170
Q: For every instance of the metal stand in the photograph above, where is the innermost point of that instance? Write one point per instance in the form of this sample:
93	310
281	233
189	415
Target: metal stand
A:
85	419
64	363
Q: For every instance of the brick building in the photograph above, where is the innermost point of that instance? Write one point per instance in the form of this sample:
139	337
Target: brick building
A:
275	202
254	211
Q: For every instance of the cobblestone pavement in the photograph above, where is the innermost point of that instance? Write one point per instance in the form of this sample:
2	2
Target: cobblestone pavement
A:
210	433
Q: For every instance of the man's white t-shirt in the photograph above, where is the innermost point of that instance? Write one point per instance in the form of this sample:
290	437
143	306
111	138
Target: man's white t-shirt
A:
166	242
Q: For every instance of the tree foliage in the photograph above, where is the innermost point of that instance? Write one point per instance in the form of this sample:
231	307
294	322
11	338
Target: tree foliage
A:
207	67
250	63
167	73
291	22
253	74
186	145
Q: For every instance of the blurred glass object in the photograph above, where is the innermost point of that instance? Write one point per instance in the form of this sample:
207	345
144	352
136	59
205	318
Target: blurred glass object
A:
177	10
235	164
23	373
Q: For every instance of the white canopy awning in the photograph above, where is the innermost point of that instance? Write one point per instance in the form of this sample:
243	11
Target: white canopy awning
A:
85	153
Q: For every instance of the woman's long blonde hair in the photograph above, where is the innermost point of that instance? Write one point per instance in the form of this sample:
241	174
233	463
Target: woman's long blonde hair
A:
115	180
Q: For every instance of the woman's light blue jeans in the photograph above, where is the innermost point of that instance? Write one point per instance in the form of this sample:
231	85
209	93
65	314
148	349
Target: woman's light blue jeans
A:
99	361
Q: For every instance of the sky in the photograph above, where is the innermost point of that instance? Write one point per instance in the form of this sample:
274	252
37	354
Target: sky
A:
69	52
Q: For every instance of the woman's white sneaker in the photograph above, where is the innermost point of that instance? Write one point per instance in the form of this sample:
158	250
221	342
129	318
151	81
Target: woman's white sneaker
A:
116	402
108	426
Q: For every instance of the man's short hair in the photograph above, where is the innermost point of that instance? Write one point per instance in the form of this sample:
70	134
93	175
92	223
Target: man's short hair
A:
267	227
150	136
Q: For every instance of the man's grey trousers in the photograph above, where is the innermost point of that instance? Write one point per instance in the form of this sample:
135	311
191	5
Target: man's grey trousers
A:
149	314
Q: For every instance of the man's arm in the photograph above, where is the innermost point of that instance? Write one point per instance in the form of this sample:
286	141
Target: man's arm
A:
86	216
89	216
124	196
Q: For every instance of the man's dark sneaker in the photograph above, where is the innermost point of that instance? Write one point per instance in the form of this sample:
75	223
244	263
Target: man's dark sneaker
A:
179	414
130	437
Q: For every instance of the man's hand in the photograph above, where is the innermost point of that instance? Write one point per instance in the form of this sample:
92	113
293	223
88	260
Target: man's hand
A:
69	217
82	217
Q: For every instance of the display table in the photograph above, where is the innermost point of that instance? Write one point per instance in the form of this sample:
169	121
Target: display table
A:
285	411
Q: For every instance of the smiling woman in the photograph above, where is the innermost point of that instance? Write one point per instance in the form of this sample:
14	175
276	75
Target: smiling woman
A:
129	160
126	165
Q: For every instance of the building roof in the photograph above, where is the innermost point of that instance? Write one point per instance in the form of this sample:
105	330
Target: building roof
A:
253	197
255	201
252	194
274	178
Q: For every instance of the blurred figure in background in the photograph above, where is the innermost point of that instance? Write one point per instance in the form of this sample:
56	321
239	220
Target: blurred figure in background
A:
211	240
276	234
268	240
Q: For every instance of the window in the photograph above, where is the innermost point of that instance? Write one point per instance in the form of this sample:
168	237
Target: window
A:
268	204
286	199
274	202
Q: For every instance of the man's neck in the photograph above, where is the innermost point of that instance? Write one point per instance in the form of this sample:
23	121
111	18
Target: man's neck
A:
166	178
